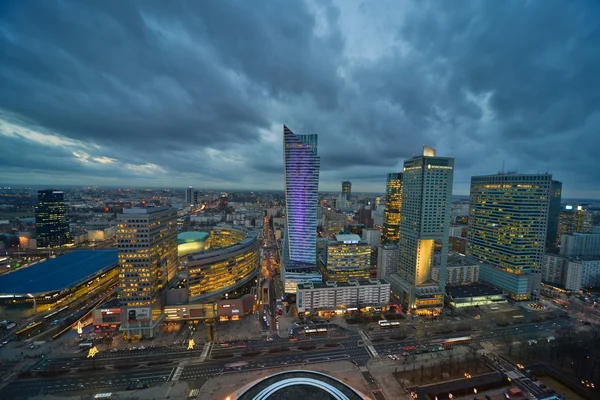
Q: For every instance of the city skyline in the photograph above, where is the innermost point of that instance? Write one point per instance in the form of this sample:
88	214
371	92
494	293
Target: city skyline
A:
187	102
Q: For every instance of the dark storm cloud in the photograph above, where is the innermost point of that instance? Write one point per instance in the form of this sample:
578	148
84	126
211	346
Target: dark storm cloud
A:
200	90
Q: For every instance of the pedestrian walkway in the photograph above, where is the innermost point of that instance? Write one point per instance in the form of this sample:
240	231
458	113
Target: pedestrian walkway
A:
206	350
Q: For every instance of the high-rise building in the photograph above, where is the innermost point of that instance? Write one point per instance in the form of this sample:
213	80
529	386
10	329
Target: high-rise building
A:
301	180
508	223
147	244
348	257
426	203
553	213
347	189
189	193
52	219
393	208
388	258
574	219
195	198
580	245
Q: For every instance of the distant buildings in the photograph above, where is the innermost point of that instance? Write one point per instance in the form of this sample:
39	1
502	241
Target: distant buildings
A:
580	244
147	245
372	237
347	189
342	296
425	209
393	206
52	219
189	195
508	224
301	180
348	257
574	219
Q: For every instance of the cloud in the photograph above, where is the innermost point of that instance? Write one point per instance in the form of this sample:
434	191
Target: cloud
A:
196	93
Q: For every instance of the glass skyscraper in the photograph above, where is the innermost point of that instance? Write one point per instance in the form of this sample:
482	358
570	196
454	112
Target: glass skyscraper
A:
393	208
301	165
51	219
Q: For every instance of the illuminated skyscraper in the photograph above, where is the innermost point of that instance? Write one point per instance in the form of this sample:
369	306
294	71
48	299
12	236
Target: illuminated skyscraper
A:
189	195
301	179
508	223
393	208
348	257
51	219
574	219
147	244
347	189
426	204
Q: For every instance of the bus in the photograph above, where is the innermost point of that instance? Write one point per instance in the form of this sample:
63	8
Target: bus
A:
29	329
385	325
383	322
494	308
518	316
457	340
321	331
87	345
310	331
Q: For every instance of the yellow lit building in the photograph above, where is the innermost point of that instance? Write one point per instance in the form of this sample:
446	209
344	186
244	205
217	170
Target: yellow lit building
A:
147	247
348	257
393	208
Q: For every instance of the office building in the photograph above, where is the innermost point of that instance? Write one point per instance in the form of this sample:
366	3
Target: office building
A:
460	270
347	257
388	260
52	219
347	189
553	213
189	195
342	296
574	219
508	223
372	236
301	181
580	244
426	201
147	246
393	207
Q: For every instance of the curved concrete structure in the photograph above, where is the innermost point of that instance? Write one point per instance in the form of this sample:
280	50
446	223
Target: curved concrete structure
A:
298	384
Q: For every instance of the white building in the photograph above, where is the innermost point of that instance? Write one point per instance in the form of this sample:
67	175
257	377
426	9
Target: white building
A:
554	268
101	233
580	244
331	296
387	260
460	270
372	236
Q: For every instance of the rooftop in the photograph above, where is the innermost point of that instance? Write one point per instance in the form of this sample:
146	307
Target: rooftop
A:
190	237
58	273
370	282
348	238
302	385
473	290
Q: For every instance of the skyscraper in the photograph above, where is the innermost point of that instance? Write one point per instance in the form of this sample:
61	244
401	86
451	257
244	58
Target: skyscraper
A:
189	193
301	180
426	204
347	189
574	219
554	213
508	223
393	208
52	219
147	244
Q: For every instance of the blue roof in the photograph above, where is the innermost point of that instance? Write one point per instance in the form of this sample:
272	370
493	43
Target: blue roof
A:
191	237
55	274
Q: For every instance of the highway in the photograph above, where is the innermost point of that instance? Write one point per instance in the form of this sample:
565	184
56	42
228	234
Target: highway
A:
224	360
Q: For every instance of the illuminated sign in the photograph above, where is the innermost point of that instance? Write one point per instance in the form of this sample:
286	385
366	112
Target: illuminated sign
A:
568	207
235	311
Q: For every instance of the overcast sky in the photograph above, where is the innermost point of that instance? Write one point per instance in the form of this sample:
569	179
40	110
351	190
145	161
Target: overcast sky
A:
162	93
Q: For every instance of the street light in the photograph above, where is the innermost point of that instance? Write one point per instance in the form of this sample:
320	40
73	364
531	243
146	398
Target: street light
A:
91	354
34	303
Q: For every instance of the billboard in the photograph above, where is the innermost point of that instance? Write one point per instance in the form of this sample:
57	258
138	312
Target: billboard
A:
138	314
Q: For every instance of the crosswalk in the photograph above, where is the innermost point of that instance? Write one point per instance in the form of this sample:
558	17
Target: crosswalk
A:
177	374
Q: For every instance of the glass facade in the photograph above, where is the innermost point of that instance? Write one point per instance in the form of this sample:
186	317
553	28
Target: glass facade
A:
52	219
301	176
347	261
393	207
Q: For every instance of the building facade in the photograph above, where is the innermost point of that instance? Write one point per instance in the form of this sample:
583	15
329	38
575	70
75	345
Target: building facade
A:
52	219
343	296
580	244
301	181
426	203
388	259
147	246
554	213
460	270
372	236
347	189
348	257
393	208
189	195
575	219
508	224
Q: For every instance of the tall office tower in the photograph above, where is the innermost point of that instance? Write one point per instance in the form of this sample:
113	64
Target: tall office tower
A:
348	257
189	195
388	258
147	244
574	219
52	219
553	213
508	223
301	180
195	198
393	208
426	204
347	189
